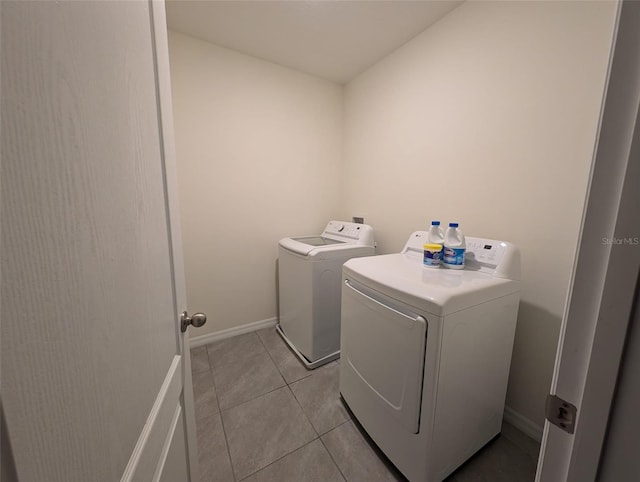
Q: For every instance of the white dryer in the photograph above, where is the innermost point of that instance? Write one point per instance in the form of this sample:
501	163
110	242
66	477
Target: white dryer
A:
309	288
426	352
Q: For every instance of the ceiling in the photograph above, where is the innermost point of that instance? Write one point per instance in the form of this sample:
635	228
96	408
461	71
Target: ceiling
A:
332	39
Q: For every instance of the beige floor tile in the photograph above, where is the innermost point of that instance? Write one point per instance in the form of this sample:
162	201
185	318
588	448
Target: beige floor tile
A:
231	350
268	431
319	397
199	359
357	461
288	364
263	430
498	461
204	395
246	379
522	441
213	456
311	463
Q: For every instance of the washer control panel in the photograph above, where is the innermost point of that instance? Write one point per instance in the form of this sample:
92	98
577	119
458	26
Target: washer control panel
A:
360	233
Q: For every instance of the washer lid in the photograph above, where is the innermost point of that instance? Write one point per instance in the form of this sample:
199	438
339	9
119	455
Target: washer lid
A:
319	247
304	245
337	236
438	291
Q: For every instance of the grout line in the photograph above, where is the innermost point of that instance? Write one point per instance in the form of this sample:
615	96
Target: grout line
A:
206	350
339	425
220	410
226	443
223	367
224	432
303	412
280	458
380	455
368	441
252	399
310	372
270	356
307	375
194	372
286	384
330	454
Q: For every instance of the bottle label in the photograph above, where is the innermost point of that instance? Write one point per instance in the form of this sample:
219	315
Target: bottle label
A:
453	256
432	258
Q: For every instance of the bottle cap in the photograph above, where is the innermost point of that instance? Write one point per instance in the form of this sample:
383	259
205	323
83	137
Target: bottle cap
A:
453	225
435	223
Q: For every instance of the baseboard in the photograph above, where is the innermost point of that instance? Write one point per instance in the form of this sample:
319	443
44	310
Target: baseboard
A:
523	424
229	332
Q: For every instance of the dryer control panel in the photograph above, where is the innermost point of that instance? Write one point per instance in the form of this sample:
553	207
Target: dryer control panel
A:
491	256
498	258
485	251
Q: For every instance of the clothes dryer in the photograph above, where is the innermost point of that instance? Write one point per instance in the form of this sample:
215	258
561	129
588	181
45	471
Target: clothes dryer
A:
426	352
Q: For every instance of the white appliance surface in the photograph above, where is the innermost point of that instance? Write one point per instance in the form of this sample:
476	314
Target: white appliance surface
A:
310	272
426	352
441	291
337	236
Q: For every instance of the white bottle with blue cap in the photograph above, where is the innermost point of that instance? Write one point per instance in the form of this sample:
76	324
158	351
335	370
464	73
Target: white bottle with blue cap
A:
435	235
454	247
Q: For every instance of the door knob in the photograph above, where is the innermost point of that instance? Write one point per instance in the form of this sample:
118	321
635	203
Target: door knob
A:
197	320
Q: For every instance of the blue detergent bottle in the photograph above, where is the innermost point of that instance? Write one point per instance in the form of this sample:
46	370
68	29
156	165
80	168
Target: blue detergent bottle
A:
454	247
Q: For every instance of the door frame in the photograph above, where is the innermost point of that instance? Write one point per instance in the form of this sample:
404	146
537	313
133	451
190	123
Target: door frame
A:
605	271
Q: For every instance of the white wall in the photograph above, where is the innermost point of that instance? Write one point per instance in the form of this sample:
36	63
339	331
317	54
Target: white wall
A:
488	118
259	153
502	97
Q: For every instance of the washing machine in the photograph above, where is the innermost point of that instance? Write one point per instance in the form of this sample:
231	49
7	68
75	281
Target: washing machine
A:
309	288
426	352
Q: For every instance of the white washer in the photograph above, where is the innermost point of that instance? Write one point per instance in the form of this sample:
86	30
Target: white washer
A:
310	272
426	352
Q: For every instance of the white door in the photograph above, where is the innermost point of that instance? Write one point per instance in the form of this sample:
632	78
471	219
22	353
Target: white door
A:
95	386
605	274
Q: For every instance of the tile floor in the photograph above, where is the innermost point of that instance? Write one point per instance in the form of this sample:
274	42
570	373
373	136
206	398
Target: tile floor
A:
262	416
